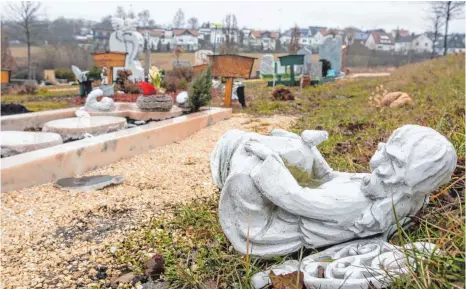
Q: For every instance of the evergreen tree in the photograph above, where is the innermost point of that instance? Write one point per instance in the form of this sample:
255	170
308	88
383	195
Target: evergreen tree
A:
200	92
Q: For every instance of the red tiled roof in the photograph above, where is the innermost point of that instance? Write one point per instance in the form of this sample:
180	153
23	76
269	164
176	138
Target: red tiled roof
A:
259	33
157	33
382	38
179	32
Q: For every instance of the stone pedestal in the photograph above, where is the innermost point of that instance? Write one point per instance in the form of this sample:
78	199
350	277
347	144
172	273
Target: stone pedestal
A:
77	128
154	103
17	142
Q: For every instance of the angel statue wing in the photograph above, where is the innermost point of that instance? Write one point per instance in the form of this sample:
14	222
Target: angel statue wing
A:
80	75
130	25
117	23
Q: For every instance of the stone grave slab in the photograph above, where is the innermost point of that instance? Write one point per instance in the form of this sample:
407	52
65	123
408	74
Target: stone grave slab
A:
17	142
88	184
331	51
305	69
181	63
267	64
78	128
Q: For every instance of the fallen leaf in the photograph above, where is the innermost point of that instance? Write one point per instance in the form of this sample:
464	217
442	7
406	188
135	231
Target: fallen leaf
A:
287	281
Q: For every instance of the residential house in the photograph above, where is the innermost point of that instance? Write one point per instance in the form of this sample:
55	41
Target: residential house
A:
304	39
187	38
403	44
349	34
360	38
318	38
381	41
261	40
455	43
422	44
285	38
155	38
400	33
316	35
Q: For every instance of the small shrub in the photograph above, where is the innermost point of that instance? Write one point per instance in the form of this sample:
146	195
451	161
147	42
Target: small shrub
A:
200	92
64	73
31	87
16	89
173	83
94	73
132	88
181	73
184	85
282	93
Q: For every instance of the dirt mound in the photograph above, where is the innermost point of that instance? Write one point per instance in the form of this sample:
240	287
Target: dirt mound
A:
12	108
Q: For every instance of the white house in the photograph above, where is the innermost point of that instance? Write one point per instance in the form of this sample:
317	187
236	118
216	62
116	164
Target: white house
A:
264	40
380	41
422	43
404	44
187	38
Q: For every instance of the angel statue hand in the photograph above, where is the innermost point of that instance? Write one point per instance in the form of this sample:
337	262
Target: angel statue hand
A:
261	151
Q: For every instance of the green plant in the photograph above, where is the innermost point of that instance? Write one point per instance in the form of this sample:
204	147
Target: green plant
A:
200	92
184	85
155	77
64	73
94	73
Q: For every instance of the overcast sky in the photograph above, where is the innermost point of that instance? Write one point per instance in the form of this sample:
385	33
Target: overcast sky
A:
267	15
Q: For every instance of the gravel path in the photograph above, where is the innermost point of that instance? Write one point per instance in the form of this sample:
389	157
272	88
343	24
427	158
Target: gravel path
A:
55	239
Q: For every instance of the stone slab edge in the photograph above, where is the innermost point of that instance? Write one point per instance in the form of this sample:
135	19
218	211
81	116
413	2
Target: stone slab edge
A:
76	158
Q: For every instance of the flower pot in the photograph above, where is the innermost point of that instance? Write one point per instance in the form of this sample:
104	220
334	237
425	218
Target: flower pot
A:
154	103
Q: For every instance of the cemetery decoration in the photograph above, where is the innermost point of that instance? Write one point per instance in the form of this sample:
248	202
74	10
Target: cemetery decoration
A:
264	212
331	50
368	264
126	40
182	100
267	66
112	61
88	184
155	77
150	101
104	76
181	63
18	142
85	84
155	103
306	67
230	67
105	104
288	61
202	57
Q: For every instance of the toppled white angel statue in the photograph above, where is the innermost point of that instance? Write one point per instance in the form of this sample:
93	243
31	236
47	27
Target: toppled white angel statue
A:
265	211
93	105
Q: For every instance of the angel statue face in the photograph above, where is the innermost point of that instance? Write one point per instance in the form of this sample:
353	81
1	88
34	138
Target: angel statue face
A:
415	159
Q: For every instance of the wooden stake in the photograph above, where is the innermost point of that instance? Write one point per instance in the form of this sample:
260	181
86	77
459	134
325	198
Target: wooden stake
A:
228	92
110	75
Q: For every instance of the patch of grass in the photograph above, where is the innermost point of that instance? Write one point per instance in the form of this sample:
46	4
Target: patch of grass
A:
45	105
41	95
196	251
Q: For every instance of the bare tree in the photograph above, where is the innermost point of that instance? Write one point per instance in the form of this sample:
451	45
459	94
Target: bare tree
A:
8	60
451	10
293	47
178	20
131	14
24	15
120	12
230	31
144	18
193	23
435	22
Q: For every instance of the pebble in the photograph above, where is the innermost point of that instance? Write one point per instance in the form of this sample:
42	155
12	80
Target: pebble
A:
139	122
